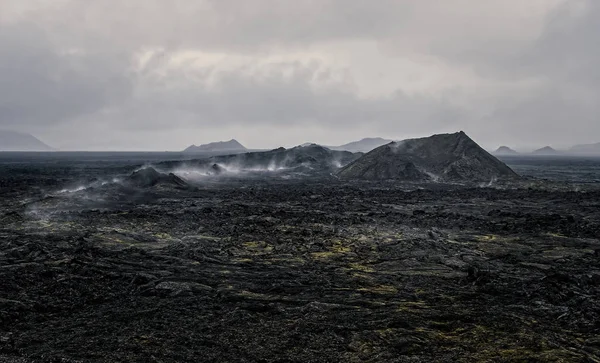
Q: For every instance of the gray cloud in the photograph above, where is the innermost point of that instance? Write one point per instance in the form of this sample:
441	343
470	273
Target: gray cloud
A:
275	94
44	84
566	102
504	71
219	24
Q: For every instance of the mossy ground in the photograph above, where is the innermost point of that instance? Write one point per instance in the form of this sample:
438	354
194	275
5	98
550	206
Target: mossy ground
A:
368	273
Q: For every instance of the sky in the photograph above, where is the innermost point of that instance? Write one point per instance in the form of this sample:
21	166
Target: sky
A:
162	75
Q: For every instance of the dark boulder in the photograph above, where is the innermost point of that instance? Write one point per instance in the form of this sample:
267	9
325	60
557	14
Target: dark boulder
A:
149	177
216	169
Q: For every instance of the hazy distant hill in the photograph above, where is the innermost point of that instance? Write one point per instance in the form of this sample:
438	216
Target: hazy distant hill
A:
18	141
231	145
593	149
546	150
364	145
445	157
505	150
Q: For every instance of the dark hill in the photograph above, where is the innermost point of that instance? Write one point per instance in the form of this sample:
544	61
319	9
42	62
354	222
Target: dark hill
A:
505	150
546	150
149	177
231	145
17	141
445	157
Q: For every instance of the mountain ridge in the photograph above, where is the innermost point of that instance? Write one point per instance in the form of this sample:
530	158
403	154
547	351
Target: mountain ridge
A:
363	145
311	158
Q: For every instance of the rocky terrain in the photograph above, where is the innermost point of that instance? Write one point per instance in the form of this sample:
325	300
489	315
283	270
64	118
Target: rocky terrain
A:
310	159
116	263
149	177
445	157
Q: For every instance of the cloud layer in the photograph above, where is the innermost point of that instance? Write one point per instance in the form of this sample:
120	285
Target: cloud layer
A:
162	75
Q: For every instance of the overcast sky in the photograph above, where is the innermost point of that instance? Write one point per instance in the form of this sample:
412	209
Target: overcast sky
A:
161	75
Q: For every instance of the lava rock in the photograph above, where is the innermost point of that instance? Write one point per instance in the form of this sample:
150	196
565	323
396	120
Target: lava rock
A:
216	169
149	177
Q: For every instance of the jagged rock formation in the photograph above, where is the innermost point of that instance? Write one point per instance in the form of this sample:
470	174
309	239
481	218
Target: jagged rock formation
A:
505	150
229	146
364	145
445	157
149	177
546	150
17	141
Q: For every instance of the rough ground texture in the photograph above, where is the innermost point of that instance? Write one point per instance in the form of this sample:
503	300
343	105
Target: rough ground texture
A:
444	157
297	271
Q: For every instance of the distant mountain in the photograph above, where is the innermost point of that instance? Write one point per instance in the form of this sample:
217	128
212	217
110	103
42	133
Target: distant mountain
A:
18	141
231	145
445	157
364	145
591	149
546	150
505	150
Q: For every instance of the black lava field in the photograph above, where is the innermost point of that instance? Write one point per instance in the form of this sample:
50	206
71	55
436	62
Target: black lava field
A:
99	263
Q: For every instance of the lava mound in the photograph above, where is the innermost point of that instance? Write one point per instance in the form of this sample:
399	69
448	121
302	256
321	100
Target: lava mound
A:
149	177
444	157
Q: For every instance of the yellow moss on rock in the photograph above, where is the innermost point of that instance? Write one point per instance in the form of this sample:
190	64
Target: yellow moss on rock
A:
360	267
380	289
